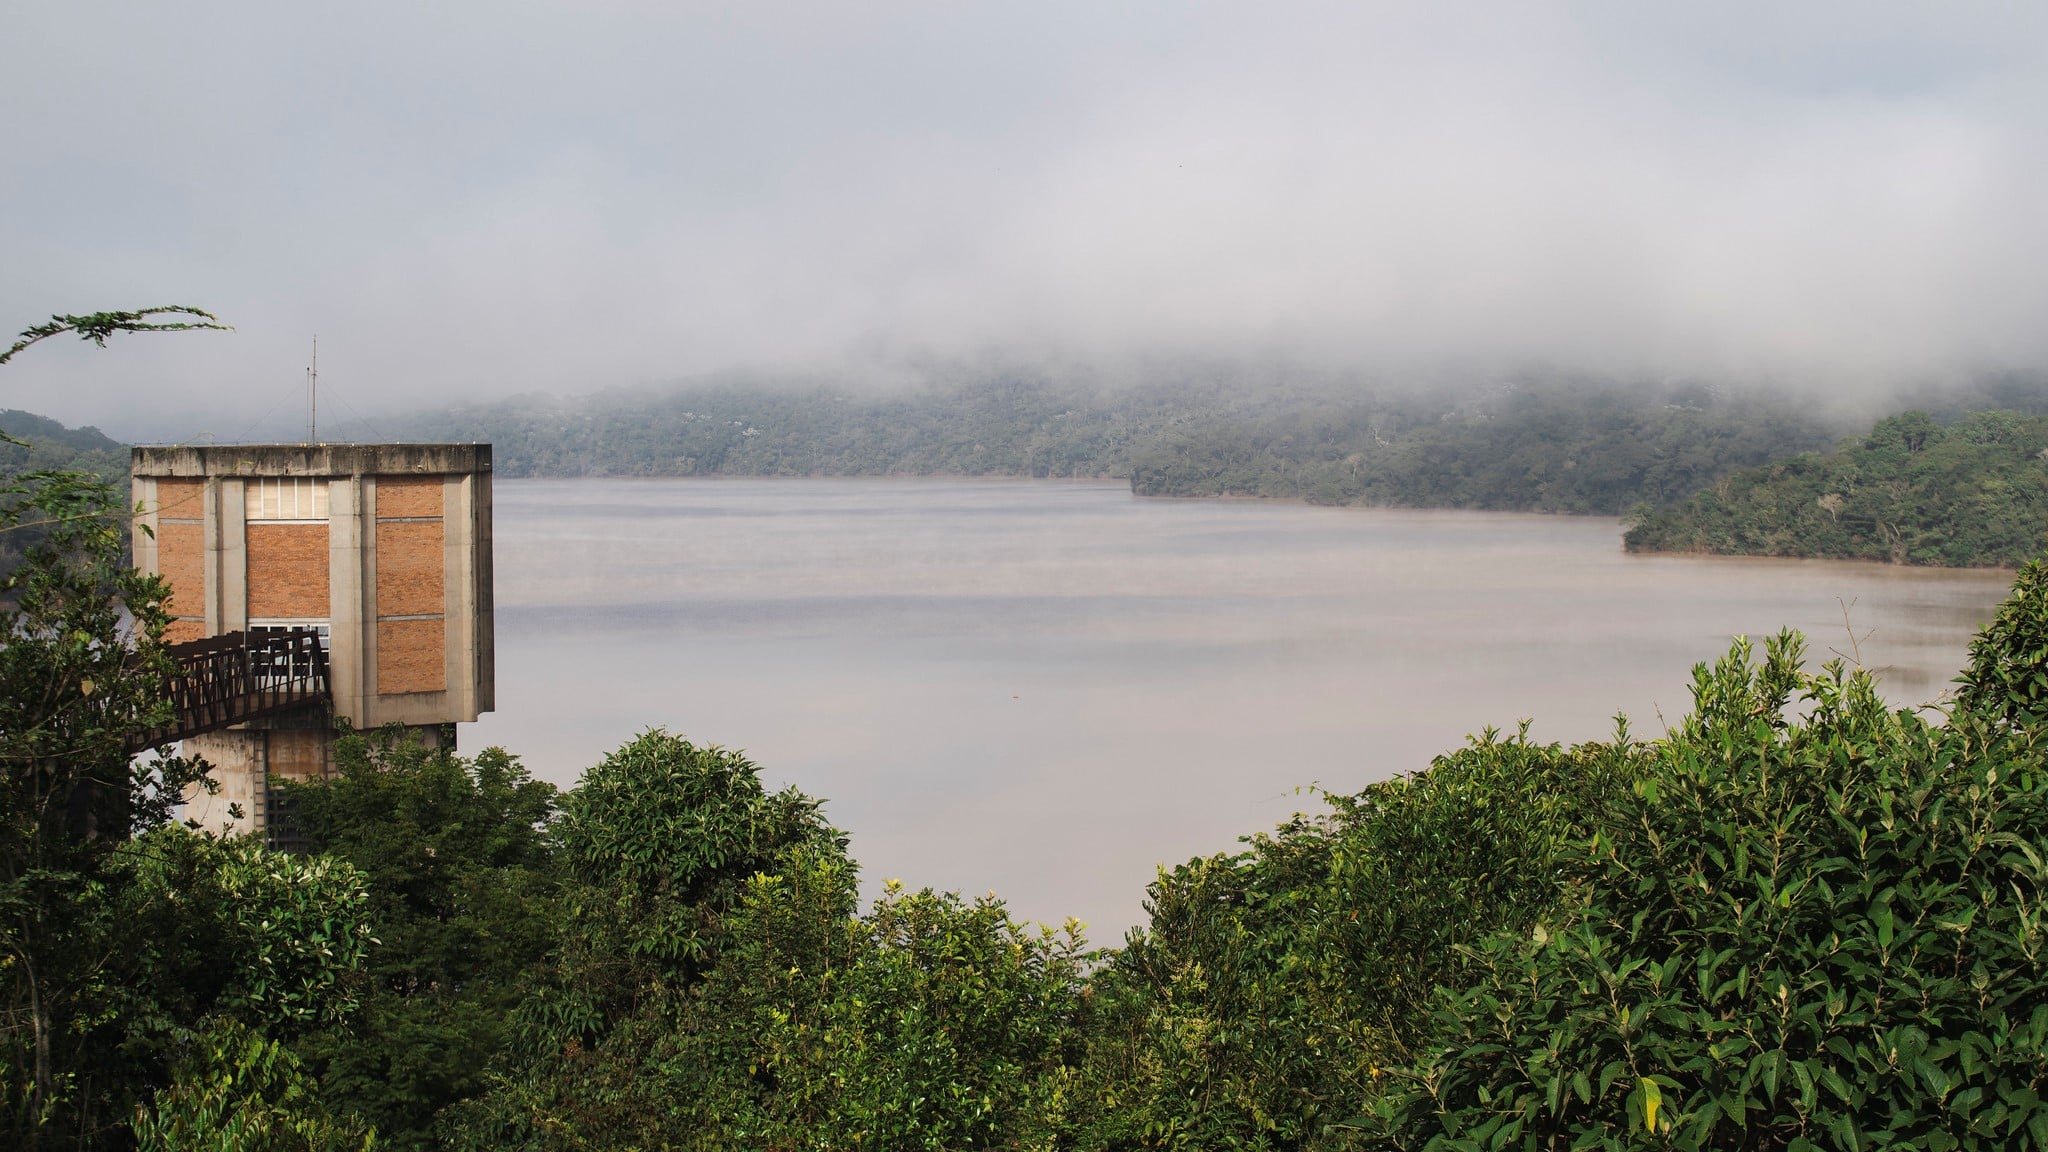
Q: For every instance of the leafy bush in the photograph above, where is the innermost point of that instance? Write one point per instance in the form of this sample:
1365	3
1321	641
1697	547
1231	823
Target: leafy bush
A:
238	1092
1271	987
2007	679
233	928
1826	933
715	987
930	1023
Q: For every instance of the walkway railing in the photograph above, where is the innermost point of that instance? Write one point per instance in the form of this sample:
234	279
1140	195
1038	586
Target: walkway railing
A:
241	676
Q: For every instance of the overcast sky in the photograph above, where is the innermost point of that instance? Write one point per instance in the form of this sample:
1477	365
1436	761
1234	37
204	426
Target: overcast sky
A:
474	199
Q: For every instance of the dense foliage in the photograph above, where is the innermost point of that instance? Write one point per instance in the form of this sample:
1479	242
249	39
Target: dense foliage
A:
1540	444
1786	935
714	988
1273	988
135	953
1912	491
124	939
461	873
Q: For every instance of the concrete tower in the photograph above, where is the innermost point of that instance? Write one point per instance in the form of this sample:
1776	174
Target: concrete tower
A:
386	548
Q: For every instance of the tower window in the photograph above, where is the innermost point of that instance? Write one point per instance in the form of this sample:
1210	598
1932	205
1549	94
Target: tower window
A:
285	498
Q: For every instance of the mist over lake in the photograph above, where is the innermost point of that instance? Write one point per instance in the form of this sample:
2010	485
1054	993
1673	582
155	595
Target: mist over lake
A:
1048	689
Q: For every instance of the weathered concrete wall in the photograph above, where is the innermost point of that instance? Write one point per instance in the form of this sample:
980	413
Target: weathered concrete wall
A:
243	759
299	753
237	760
311	460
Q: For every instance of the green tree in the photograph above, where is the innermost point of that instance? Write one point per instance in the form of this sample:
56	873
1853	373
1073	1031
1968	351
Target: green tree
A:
1272	987
81	673
658	844
460	865
121	936
224	927
2007	677
931	1022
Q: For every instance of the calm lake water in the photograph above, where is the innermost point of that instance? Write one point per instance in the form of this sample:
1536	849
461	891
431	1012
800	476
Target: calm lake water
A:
1048	689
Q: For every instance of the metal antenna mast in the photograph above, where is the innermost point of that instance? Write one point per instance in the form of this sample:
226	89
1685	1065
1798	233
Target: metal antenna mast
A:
313	395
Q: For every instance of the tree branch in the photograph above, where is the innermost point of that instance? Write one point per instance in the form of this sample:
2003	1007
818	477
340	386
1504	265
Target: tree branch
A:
97	326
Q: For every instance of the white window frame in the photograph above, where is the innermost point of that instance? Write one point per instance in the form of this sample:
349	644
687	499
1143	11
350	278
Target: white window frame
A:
284	499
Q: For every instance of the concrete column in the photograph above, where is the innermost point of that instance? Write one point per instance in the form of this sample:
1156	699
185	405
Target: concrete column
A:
458	593
144	534
209	504
368	714
351	628
234	555
485	591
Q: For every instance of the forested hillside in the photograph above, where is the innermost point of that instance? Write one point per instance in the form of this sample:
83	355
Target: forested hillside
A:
1543	447
1911	491
36	442
1553	445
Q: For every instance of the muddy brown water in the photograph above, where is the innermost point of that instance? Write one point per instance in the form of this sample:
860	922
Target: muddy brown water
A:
1048	689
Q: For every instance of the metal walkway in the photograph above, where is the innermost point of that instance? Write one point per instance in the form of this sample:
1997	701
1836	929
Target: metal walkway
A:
241	676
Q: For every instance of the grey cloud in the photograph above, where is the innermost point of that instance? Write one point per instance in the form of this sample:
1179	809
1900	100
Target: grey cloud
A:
466	200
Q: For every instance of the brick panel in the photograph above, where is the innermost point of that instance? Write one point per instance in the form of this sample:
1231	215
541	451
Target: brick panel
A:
408	496
409	563
180	499
288	571
181	559
298	753
181	631
412	656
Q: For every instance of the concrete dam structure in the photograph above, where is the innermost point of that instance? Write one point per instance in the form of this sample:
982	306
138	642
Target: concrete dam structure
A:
371	560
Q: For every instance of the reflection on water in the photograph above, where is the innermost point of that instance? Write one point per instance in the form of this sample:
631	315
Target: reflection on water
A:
1047	689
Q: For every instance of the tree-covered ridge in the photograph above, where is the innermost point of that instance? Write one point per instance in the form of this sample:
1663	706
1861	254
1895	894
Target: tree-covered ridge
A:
1553	445
30	444
1543	446
1912	491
